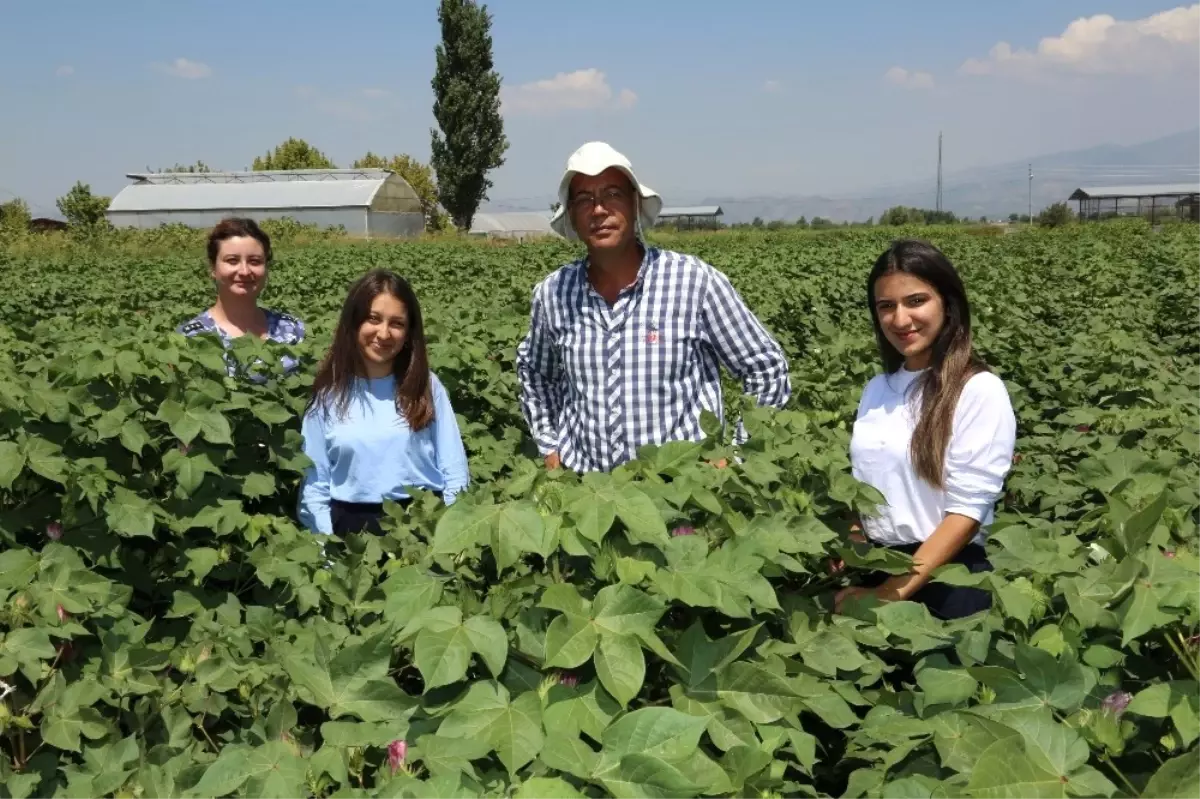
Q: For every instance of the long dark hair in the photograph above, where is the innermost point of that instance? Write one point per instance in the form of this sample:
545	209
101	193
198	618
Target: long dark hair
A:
953	360
333	385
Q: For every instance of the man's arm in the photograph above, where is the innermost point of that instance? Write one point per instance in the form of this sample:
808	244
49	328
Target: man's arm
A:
539	372
743	345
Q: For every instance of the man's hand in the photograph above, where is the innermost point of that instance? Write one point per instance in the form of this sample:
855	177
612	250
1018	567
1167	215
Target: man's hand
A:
553	461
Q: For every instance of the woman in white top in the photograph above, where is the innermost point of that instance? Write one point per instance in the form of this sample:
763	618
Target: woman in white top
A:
934	433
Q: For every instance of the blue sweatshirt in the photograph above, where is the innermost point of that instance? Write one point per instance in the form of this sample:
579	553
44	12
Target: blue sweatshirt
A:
372	454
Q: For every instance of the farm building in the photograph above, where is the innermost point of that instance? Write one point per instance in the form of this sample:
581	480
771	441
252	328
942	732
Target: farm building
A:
1152	201
520	225
695	217
367	202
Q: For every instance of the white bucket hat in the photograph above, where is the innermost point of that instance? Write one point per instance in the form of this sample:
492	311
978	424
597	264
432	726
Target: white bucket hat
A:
592	159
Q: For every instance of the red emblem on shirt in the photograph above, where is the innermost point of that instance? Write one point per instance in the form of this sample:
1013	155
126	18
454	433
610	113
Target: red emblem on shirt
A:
652	337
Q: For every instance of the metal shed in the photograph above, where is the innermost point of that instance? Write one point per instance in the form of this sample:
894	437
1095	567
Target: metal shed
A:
1152	200
519	225
367	202
691	217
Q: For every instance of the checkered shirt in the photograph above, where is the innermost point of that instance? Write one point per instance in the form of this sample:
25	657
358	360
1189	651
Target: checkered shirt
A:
600	381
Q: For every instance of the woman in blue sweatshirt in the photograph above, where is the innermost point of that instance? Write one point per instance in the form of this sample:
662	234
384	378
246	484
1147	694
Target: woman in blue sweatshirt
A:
379	421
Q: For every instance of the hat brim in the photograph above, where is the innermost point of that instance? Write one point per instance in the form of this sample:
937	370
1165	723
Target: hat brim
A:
649	205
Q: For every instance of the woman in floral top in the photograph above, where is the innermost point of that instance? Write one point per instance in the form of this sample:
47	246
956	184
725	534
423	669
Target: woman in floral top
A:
239	254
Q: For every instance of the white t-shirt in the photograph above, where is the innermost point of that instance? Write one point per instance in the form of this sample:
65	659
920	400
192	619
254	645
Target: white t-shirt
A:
978	458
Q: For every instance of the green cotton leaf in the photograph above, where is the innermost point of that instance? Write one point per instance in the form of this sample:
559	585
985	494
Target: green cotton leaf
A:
189	470
546	788
1004	770
943	683
621	666
1177	778
409	591
45	458
357	733
699	657
442	655
463	527
624	610
271	772
513	730
913	622
828	651
1135	531
354	682
63	727
760	695
1044	681
516	529
662	732
271	413
585	708
570	641
12	462
18	567
258	484
128	514
592	505
643	523
134	436
448	756
569	755
488	638
961	737
201	560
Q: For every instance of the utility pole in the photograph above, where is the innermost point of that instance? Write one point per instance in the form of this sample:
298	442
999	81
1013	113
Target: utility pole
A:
1031	194
939	175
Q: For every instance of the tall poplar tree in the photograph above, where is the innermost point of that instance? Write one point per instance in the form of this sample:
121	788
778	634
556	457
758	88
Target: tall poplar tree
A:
467	109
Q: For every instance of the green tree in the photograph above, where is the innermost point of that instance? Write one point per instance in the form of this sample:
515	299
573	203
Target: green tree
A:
801	222
819	222
14	215
418	175
902	215
467	108
81	208
1055	215
293	154
197	167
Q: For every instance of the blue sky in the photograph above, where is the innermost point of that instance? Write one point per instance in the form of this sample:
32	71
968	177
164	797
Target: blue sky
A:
707	98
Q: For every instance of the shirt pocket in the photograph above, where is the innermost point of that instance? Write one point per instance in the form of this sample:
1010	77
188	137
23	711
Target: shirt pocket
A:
671	347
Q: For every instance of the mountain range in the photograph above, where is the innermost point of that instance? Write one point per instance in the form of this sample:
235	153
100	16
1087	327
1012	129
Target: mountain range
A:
993	191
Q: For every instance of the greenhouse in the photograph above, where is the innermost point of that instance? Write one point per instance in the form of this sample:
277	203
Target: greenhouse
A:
366	202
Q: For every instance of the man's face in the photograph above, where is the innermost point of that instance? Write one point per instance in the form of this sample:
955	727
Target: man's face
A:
601	208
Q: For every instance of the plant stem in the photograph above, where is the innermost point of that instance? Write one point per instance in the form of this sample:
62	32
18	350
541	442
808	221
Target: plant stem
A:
1104	758
211	742
1182	655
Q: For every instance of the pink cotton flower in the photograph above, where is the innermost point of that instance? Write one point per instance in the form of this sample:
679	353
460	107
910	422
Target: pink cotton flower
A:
683	531
1117	702
568	679
397	751
62	613
54	531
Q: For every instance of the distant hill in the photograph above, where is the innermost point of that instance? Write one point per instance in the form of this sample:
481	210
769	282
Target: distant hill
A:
994	191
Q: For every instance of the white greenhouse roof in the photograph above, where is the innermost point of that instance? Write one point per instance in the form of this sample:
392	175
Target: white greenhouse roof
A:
691	210
513	222
275	194
1147	190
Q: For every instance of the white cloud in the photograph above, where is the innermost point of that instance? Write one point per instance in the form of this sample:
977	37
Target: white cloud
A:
1101	44
581	90
186	69
772	87
65	71
899	76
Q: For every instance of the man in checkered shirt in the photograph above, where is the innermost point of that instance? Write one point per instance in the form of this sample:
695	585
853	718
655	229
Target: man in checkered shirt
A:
624	346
